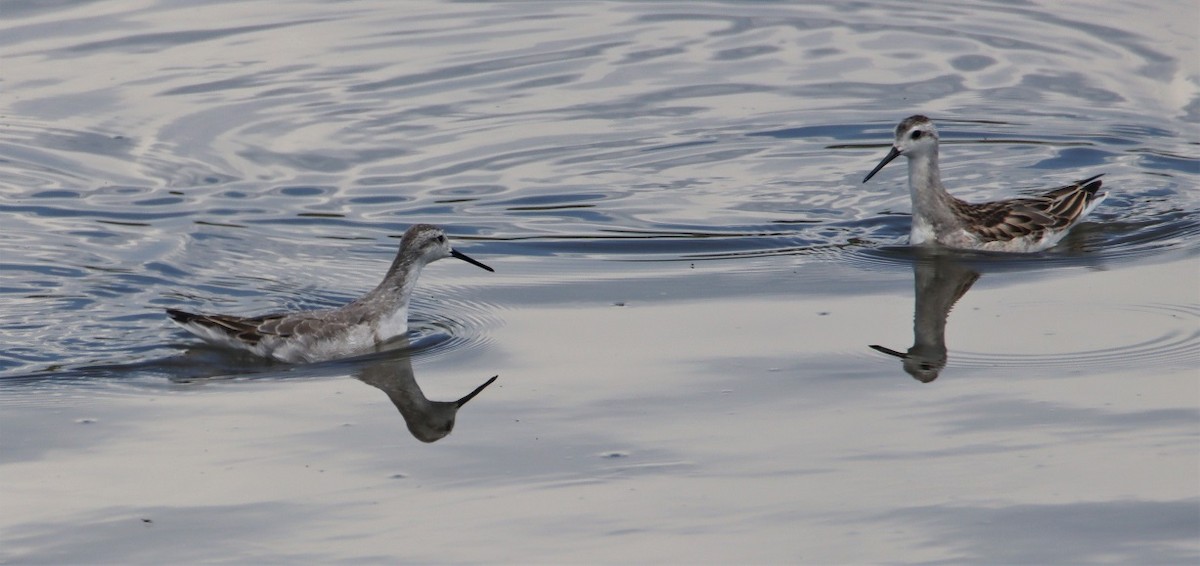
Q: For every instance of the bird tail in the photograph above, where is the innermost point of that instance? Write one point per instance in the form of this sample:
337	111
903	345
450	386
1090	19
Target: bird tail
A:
182	317
1091	184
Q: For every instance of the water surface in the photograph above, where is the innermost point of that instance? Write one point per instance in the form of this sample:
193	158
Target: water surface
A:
690	277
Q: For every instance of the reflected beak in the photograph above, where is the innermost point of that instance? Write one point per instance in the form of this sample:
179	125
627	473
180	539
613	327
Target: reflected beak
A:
885	349
894	153
462	256
472	394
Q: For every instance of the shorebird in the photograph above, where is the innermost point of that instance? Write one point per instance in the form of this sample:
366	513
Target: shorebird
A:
1027	224
358	327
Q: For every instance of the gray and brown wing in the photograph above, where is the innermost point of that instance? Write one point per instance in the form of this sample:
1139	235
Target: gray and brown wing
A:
304	326
251	330
315	325
1026	217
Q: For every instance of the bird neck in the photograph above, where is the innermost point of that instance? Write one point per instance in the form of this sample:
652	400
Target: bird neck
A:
397	286
932	205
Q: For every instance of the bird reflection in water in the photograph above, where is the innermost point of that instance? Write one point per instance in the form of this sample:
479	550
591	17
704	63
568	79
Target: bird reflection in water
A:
428	421
939	282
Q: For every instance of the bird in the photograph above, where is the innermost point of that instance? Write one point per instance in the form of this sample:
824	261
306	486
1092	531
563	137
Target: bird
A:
326	334
1021	225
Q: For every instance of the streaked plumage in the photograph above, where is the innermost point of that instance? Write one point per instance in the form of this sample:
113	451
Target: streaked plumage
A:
1026	224
358	327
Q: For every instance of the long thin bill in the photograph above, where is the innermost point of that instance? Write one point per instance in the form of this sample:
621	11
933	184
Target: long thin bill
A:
472	394
894	153
889	351
462	256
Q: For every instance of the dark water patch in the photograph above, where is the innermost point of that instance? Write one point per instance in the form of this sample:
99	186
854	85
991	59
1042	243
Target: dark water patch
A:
305	191
1163	161
218	224
379	199
550	202
1075	157
320	215
57	194
124	223
743	53
159	201
545	82
970	63
473	192
245	81
154	42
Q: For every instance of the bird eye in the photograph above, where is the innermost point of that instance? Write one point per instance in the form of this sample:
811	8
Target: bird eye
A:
916	135
441	239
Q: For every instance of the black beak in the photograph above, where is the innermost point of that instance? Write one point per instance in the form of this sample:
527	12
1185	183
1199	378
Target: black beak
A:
472	394
462	256
885	349
894	153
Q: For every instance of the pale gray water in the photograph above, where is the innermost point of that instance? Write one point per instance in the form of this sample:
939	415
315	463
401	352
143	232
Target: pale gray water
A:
689	275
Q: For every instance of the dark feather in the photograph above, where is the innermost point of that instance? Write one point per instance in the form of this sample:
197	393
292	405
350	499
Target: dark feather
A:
1016	218
249	329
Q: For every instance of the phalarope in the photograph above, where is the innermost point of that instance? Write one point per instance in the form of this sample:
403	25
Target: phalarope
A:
310	336
1026	224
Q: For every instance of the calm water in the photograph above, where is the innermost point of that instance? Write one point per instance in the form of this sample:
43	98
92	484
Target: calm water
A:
690	277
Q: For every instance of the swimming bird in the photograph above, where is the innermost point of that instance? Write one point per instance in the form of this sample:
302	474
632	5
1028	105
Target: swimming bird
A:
1026	224
358	327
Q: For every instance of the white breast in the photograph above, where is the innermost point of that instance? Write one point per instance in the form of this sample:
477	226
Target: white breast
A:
922	231
391	326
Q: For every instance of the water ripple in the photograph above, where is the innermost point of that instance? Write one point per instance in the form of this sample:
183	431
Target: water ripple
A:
227	174
1174	344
